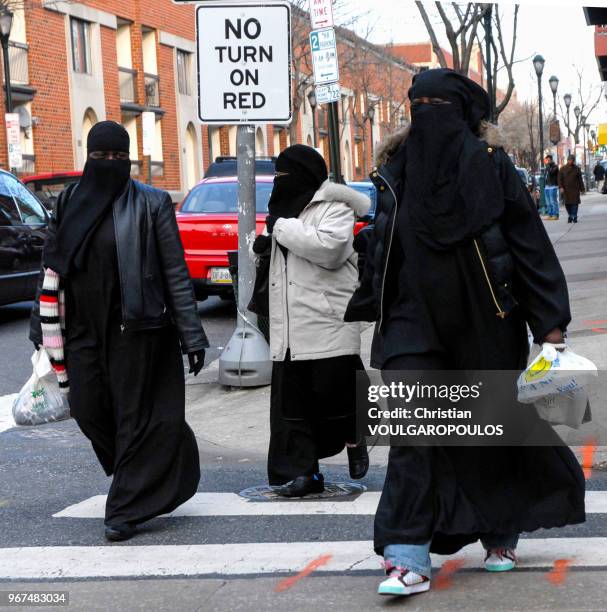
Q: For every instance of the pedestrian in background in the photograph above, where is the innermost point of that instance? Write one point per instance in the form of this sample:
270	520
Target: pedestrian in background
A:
313	274
551	190
114	246
599	175
572	186
455	271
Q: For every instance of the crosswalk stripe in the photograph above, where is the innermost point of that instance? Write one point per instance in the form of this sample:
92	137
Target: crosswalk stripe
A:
6	412
63	562
231	504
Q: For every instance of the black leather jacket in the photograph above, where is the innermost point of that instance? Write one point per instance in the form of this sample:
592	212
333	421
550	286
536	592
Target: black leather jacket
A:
518	261
154	279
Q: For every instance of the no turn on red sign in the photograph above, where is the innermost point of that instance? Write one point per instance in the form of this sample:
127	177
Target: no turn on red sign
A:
244	62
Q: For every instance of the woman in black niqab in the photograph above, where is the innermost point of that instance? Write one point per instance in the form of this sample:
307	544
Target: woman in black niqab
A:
462	219
126	387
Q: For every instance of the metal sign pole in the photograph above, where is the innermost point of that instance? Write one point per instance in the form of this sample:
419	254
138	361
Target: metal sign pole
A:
245	362
334	142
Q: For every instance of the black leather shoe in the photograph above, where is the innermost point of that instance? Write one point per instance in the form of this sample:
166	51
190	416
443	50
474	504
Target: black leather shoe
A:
358	461
119	533
302	486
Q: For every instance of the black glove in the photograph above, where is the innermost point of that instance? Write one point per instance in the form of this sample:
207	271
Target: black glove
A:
36	346
262	244
196	360
270	221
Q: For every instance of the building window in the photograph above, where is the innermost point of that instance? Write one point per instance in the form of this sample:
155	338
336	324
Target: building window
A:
184	70
80	46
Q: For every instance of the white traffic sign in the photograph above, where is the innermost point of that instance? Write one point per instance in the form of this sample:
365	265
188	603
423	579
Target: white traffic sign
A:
325	94
324	56
13	140
321	14
148	120
244	62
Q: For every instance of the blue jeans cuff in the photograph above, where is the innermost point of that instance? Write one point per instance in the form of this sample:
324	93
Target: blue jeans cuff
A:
414	557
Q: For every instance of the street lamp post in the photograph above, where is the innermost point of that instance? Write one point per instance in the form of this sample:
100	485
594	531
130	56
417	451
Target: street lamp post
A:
538	64
567	98
313	105
6	24
585	127
554	86
577	112
371	117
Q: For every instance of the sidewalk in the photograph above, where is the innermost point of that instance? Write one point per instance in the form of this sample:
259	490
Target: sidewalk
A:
236	422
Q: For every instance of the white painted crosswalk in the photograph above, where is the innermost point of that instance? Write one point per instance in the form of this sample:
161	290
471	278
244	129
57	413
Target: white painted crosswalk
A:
231	504
258	558
262	558
6	412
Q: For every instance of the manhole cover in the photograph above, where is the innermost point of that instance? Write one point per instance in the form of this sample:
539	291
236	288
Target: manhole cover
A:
332	490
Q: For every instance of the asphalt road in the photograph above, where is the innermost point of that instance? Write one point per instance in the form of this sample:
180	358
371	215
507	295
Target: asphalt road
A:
218	318
48	469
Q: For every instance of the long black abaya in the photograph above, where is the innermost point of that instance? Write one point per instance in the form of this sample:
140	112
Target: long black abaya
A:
441	317
312	413
127	392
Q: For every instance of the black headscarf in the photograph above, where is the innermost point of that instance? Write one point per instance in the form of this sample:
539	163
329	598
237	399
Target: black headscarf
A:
305	171
102	182
452	189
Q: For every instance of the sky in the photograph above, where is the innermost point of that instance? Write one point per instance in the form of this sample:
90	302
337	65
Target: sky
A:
554	28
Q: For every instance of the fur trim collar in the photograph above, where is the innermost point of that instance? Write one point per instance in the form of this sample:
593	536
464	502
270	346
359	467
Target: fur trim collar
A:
490	133
334	192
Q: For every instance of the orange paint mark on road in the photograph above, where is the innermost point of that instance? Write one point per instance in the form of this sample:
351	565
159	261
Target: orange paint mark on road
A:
287	583
588	458
599	322
443	580
558	574
599	330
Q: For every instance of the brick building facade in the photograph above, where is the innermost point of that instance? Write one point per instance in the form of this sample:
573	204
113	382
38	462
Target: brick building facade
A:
75	63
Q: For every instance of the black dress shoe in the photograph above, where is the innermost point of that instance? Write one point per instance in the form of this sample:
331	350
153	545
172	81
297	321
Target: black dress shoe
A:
119	533
302	486
358	461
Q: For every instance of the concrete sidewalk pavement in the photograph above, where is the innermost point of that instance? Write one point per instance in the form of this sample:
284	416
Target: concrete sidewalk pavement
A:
235	422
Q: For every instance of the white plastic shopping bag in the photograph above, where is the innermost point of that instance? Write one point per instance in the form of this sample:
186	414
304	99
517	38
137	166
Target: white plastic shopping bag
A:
556	381
40	400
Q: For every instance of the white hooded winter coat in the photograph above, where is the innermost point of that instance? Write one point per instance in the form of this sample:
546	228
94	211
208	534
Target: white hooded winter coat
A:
311	288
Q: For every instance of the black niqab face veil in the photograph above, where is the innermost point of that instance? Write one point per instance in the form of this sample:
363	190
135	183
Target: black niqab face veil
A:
300	171
103	180
452	190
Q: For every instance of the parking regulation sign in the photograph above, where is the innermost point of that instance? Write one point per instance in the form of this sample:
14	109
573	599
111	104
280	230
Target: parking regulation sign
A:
324	56
325	94
244	62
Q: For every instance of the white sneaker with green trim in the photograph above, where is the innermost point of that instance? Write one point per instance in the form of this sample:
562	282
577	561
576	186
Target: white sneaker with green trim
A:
500	560
403	582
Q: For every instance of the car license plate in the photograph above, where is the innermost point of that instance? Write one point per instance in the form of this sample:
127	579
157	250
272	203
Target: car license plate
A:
221	276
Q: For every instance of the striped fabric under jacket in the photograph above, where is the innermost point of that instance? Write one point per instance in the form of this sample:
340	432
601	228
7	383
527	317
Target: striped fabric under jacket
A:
52	320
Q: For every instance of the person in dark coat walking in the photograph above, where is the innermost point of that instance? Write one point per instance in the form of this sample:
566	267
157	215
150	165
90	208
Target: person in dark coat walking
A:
572	186
454	272
129	307
599	175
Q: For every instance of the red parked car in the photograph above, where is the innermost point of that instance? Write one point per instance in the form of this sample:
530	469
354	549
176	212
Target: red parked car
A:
47	187
208	224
